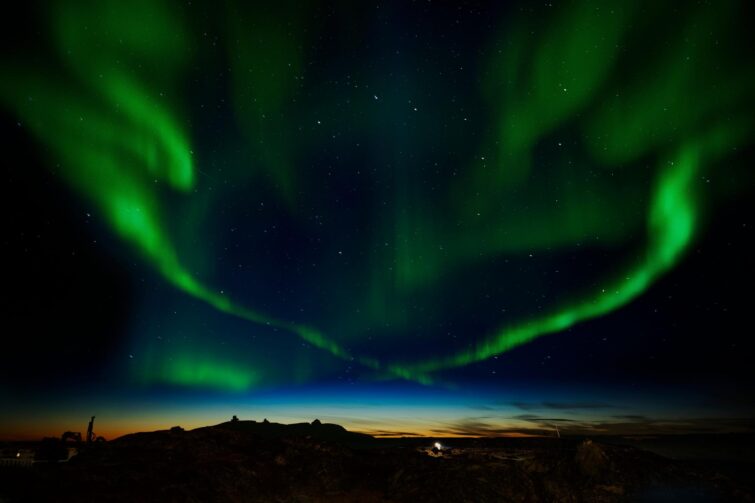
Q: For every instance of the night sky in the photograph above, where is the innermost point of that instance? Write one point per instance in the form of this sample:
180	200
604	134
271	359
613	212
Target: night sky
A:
404	217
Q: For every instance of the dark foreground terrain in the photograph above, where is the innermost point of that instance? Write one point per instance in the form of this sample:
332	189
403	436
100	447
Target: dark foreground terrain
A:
249	461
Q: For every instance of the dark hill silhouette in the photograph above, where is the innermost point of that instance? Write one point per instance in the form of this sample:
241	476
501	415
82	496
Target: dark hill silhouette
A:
321	431
270	462
316	431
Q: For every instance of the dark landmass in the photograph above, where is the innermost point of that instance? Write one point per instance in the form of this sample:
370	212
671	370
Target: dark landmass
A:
250	461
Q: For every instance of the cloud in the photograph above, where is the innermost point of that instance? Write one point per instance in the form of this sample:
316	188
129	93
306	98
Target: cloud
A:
462	430
625	425
390	433
526	417
574	424
482	407
562	405
474	427
537	419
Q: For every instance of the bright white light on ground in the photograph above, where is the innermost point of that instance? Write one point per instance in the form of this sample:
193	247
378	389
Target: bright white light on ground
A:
437	445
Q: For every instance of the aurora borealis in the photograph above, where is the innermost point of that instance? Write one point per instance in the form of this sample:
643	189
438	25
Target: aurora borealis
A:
426	196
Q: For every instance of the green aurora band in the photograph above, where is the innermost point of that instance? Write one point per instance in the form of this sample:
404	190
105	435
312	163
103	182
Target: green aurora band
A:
671	227
109	114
